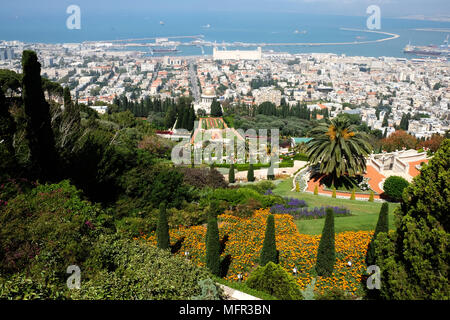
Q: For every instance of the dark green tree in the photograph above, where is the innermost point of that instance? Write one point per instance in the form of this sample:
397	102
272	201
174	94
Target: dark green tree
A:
382	226
216	109
7	131
326	253
40	136
162	229
170	117
414	258
231	178
251	173
269	249
213	246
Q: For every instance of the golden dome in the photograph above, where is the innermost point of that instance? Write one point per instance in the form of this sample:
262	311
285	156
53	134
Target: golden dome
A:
209	92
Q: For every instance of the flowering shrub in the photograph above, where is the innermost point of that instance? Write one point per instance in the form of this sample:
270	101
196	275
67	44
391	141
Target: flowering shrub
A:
245	239
298	209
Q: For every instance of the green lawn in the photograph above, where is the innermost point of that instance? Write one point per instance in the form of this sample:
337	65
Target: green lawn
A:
364	213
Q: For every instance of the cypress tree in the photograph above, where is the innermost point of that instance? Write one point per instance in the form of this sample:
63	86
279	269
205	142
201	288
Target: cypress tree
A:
213	246
162	229
39	134
7	130
250	173
353	196
382	226
316	190
333	195
231	178
67	97
371	197
326	253
269	249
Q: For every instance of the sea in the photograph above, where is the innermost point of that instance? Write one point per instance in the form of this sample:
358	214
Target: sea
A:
230	27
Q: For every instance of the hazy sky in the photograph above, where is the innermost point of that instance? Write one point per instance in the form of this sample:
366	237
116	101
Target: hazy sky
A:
389	8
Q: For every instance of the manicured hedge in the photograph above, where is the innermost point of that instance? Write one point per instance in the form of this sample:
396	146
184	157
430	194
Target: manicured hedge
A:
394	186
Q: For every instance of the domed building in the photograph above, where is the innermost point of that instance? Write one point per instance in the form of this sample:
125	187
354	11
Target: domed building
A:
207	98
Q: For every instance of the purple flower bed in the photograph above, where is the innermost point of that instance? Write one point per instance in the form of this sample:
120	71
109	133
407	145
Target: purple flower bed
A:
300	211
314	213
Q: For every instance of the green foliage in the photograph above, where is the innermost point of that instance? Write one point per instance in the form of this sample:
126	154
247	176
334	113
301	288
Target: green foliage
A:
10	80
353	197
394	186
40	136
203	177
334	294
231	178
162	230
213	246
414	259
338	148
274	280
251	173
21	287
333	195
7	131
47	229
316	190
209	290
382	226
371	196
133	270
269	249
326	253
216	109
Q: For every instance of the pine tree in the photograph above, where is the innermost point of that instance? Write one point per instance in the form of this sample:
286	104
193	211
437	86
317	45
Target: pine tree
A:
269	249
382	226
231	178
162	229
43	156
326	253
213	246
250	173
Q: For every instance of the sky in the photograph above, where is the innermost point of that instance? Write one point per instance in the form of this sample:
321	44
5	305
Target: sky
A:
389	8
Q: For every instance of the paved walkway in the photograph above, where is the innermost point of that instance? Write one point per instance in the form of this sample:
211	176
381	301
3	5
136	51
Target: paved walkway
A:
233	294
412	167
374	180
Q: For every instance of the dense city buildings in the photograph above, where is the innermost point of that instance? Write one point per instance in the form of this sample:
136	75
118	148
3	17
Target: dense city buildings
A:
380	90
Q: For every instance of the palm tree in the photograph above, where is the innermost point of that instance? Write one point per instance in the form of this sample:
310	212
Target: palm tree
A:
338	148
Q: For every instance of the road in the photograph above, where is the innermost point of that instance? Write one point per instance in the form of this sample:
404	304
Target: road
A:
194	81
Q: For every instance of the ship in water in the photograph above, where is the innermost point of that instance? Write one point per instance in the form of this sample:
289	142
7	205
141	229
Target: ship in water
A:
430	50
163	49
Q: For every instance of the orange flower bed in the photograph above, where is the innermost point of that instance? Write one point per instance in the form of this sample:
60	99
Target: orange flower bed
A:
245	242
